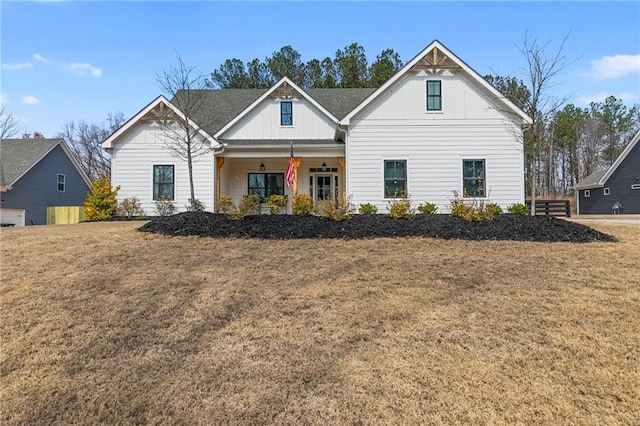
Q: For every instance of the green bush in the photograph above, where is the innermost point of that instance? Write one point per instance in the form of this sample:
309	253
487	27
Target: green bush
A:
130	207
225	204
427	208
195	205
302	205
340	209
493	209
472	210
400	208
367	208
249	204
164	207
276	203
101	203
519	209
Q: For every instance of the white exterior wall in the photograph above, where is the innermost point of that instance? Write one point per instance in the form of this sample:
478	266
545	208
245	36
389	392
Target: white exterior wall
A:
397	127
132	161
263	123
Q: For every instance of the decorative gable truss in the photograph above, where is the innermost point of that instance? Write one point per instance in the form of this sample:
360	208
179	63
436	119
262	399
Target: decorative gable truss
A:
436	59
161	110
284	89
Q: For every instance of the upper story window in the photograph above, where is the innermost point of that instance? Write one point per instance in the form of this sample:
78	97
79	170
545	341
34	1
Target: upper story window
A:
163	182
434	95
286	113
473	178
61	183
395	178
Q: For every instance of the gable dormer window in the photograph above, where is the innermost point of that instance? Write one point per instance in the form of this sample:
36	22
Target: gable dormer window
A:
434	95
286	113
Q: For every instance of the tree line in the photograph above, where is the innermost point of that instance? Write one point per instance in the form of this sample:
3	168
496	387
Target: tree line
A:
564	144
349	68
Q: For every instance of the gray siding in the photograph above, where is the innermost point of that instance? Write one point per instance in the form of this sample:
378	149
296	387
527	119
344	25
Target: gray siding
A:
38	188
619	185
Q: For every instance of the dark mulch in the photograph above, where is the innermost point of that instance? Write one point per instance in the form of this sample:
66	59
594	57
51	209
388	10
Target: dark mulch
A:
283	227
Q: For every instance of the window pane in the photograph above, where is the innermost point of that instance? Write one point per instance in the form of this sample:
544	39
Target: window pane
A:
286	114
433	87
395	178
434	96
163	182
473	178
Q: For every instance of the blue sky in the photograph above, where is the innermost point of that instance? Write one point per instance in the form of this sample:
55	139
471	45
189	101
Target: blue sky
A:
70	61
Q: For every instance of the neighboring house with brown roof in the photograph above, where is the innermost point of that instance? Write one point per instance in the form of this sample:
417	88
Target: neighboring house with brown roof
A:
435	127
616	189
36	174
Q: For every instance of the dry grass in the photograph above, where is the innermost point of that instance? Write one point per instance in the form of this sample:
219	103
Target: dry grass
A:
103	324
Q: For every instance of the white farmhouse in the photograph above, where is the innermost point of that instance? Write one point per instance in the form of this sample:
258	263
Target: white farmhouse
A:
433	128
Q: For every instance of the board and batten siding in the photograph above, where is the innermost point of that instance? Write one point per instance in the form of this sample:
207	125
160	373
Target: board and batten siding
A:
38	188
620	189
470	126
263	123
132	161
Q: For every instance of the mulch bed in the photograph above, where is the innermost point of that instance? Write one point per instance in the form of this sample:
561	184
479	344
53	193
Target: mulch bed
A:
284	227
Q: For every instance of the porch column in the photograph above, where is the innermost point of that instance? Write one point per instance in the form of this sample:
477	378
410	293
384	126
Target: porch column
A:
296	164
219	163
344	176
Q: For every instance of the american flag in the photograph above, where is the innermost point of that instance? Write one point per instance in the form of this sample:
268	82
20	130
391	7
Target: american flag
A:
290	175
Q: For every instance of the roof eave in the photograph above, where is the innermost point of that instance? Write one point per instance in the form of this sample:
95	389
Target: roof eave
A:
525	119
265	95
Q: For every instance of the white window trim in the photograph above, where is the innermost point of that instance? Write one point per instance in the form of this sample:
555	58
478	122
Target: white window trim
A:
426	94
285	126
635	186
64	182
175	180
587	193
486	179
406	179
606	191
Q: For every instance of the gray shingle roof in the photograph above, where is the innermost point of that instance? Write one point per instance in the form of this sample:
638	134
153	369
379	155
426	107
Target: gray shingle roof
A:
18	155
223	105
591	180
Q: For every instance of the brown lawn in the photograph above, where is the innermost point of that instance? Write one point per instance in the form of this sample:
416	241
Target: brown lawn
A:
103	324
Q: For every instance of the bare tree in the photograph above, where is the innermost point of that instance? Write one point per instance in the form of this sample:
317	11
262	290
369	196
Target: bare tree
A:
183	137
85	140
542	68
8	125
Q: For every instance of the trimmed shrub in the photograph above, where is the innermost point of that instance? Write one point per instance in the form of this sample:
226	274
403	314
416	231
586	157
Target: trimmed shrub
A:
340	209
164	207
225	204
519	209
276	203
101	203
493	208
130	207
195	205
427	208
249	204
400	208
471	210
367	208
302	205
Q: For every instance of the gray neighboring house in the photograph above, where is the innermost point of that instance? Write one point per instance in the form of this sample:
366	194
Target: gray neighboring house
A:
615	190
36	174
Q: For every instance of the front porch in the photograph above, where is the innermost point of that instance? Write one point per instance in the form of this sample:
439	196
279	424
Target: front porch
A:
321	175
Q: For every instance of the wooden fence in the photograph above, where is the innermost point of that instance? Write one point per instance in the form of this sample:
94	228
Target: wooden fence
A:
551	207
64	215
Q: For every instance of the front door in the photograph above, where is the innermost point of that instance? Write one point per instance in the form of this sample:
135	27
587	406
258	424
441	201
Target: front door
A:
323	188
